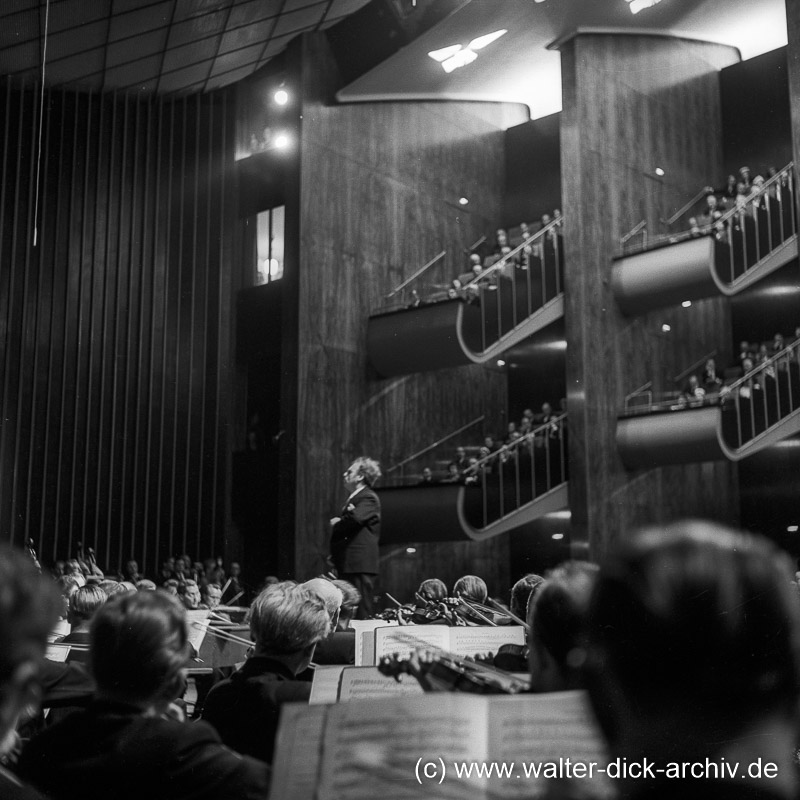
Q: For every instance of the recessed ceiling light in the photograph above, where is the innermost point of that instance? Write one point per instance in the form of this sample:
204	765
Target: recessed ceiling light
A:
500	362
660	172
793	528
411	550
558	536
640	5
281	97
281	141
666	328
455	56
463	201
686	303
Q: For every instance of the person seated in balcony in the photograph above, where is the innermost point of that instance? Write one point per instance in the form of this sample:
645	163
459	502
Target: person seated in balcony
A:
727	193
453	474
711	212
471	475
511	429
475	269
778	343
427	478
693	393
711	381
744	178
462	462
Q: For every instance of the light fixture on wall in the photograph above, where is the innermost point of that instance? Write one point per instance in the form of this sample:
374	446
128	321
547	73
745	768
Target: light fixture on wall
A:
281	96
456	55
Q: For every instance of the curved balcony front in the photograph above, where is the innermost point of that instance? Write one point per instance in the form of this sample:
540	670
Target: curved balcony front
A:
489	311
756	412
723	257
513	486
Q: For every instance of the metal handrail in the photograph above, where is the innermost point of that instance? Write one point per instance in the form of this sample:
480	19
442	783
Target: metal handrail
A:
643	389
688	371
764	365
631	233
436	444
507	448
683	209
498	265
416	275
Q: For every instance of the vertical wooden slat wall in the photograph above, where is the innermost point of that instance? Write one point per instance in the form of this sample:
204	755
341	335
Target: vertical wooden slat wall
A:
114	326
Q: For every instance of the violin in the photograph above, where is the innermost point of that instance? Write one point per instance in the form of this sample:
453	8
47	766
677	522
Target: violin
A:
444	672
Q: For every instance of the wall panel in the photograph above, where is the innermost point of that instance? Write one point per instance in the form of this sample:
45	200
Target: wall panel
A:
378	197
114	327
633	104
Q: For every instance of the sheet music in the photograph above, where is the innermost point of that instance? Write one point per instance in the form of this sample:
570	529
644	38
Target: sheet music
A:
545	728
298	752
325	686
362	683
362	626
57	652
197	625
371	749
405	638
470	640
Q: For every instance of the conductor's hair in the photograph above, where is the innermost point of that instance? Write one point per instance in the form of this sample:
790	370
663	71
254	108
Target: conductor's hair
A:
369	468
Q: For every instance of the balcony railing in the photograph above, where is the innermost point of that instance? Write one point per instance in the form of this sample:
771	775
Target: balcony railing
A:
751	230
762	398
518	473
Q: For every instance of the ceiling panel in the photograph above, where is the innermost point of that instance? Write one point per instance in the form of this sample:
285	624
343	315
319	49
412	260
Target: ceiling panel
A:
245	56
136	47
295	21
197	29
156	16
181	79
141	73
244	36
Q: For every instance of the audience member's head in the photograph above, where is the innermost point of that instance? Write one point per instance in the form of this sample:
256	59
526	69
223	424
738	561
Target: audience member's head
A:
189	593
111	587
145	585
522	591
287	620
29	608
471	588
139	648
694	647
556	616
211	595
83	605
433	590
351	598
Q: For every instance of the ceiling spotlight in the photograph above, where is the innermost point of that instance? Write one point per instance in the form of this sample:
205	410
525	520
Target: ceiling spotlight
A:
660	172
411	550
793	528
640	5
558	536
281	141
500	362
463	201
666	328
456	56
686	303
281	97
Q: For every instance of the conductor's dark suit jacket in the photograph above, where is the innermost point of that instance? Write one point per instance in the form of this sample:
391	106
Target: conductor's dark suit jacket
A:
354	539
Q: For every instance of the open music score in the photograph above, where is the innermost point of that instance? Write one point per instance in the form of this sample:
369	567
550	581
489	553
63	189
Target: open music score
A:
465	642
363	750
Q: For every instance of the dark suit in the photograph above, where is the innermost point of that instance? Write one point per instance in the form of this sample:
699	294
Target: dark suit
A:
114	748
245	708
354	545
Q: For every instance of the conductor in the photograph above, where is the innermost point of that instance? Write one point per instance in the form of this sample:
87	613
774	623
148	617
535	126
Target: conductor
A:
355	532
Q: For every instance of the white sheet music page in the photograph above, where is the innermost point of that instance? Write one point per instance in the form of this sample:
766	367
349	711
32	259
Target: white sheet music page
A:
387	748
